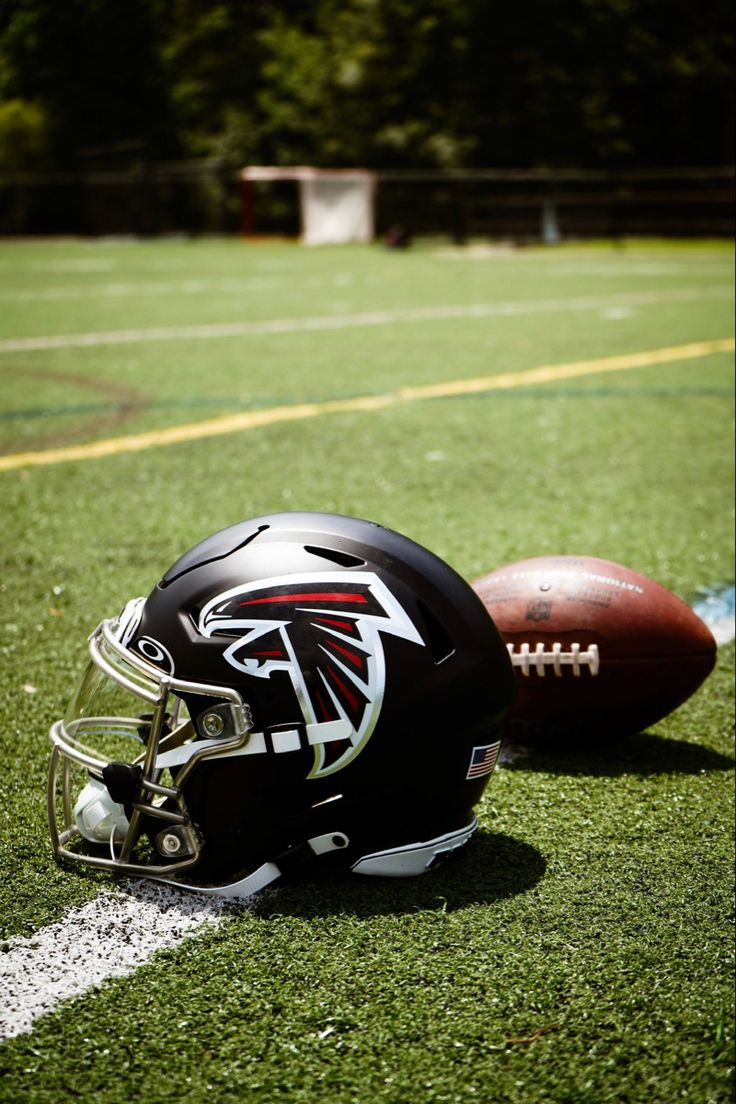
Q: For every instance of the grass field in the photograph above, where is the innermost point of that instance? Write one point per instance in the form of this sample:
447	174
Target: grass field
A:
581	949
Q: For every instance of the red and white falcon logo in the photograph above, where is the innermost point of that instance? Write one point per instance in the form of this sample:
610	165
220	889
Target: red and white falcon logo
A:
324	631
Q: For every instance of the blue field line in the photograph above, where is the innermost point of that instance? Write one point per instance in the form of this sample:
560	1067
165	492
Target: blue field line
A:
271	400
112	408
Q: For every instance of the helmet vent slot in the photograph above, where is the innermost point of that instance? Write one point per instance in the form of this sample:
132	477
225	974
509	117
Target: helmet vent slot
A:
438	638
344	559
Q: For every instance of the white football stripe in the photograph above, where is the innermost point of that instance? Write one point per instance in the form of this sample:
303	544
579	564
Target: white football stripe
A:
370	318
110	936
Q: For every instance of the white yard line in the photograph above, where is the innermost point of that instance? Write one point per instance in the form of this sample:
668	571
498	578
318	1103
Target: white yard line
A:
145	288
267	326
110	936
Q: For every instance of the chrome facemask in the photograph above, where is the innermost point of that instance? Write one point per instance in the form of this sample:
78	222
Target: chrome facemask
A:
127	728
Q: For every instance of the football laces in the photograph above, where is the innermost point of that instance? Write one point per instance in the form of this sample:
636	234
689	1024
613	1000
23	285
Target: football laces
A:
539	660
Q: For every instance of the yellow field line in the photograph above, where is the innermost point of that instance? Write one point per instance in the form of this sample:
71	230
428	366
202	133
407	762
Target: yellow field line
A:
254	419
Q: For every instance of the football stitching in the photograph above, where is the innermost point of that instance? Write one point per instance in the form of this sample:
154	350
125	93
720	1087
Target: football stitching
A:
540	659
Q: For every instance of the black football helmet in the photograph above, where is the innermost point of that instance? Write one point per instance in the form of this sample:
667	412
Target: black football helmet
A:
301	686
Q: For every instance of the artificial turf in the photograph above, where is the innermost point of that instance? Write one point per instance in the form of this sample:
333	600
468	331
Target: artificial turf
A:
580	949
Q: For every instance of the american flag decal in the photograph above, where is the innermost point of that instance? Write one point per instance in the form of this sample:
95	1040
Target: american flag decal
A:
483	760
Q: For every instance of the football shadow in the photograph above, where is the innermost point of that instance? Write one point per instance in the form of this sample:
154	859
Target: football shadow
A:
643	754
491	868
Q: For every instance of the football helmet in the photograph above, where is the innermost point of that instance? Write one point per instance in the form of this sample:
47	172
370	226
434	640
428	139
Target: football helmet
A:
298	687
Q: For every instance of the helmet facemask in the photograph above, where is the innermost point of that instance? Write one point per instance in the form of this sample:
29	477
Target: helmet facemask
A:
121	755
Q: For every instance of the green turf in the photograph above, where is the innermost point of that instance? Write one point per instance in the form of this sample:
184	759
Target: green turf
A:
580	950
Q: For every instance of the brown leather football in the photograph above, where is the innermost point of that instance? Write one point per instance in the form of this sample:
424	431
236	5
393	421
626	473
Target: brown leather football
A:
598	649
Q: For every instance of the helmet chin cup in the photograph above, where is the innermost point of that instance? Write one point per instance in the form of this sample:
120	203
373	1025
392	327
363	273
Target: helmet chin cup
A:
297	688
97	816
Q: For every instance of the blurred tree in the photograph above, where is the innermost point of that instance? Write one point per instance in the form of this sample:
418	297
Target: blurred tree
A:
23	136
441	83
214	59
434	83
93	67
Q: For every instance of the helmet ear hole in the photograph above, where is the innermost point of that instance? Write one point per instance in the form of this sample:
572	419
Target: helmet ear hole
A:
440	643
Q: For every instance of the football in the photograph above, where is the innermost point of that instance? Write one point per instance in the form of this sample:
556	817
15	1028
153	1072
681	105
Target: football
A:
598	650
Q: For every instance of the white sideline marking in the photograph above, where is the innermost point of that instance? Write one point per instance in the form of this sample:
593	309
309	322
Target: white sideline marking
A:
208	331
110	936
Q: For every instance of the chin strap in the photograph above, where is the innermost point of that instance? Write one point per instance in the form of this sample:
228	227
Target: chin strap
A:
270	871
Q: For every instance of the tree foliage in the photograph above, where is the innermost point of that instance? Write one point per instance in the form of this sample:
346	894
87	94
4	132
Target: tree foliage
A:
412	83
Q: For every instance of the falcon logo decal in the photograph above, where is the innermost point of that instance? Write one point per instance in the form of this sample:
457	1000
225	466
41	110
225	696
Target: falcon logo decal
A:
324	630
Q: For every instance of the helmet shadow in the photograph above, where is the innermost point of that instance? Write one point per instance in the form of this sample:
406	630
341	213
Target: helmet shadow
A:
493	867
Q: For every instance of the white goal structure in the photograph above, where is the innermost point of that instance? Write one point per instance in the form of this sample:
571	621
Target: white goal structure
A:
336	205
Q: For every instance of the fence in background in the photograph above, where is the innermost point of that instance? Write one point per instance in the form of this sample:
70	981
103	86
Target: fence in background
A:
528	205
204	196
